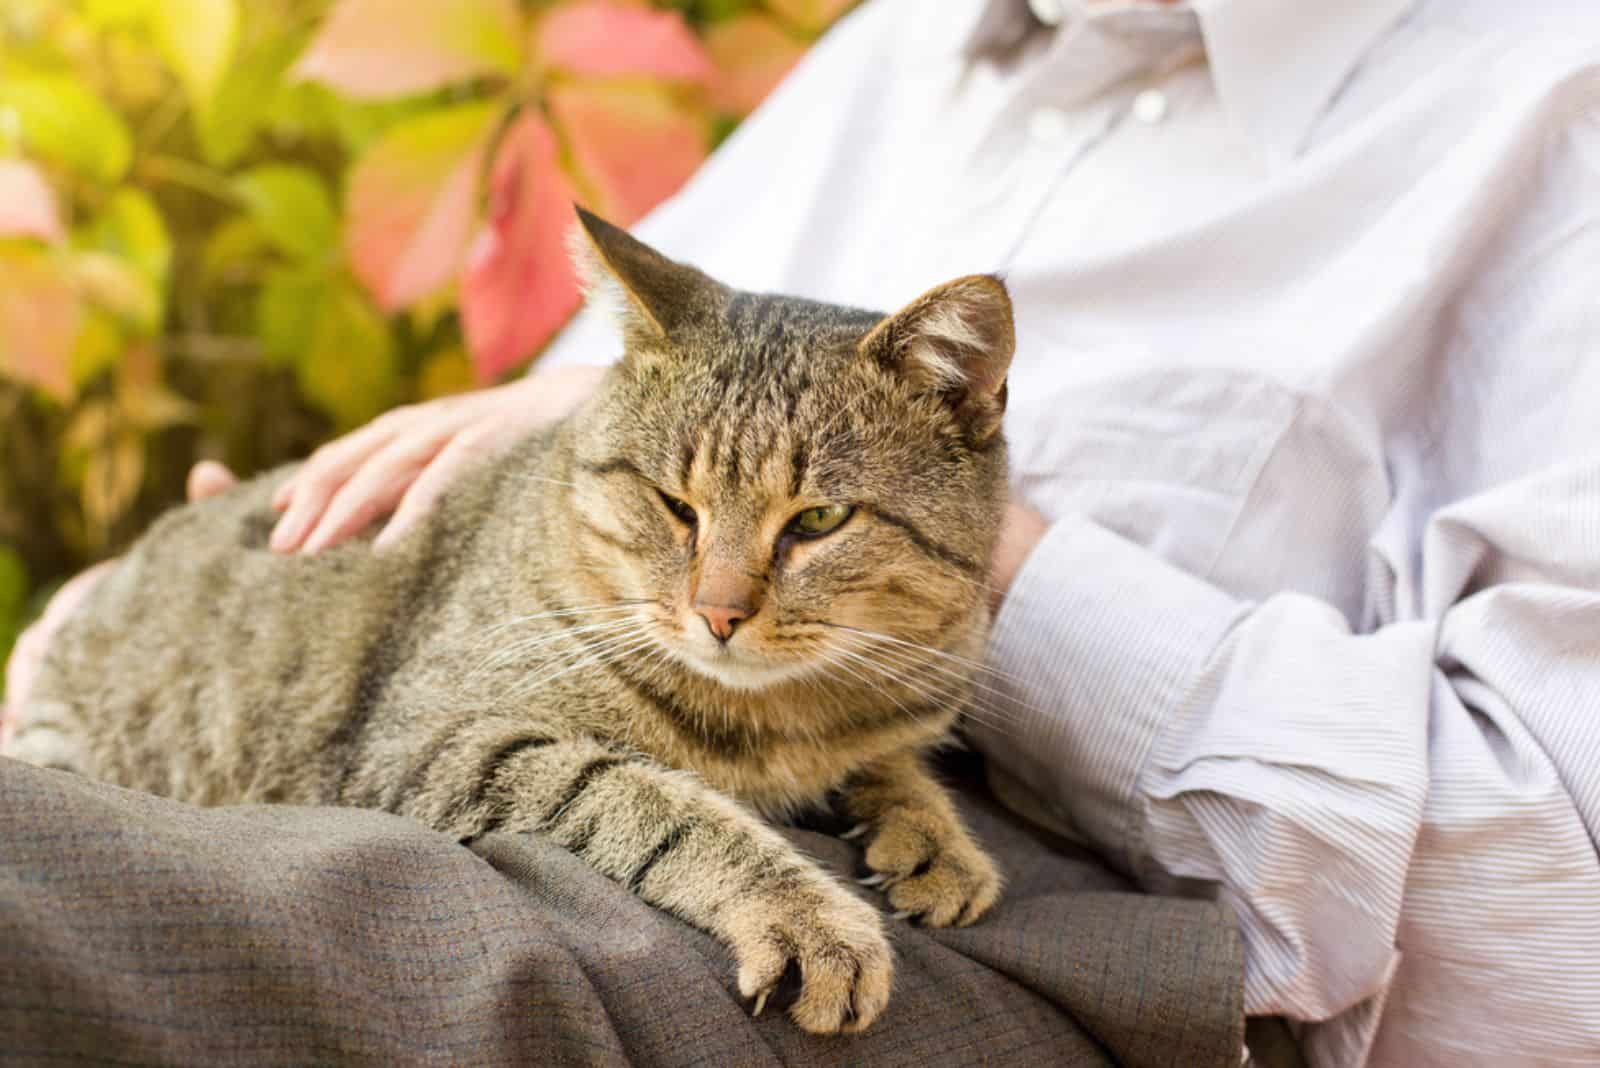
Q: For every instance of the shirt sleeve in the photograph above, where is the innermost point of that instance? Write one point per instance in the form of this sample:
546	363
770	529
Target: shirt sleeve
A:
1433	779
1264	750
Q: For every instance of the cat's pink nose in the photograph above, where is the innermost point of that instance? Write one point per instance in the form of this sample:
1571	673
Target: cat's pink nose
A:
722	618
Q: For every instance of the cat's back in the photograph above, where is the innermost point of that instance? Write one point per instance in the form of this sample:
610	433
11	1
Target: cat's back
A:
202	636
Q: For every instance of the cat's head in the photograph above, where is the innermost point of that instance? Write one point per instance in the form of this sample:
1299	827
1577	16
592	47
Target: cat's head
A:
791	486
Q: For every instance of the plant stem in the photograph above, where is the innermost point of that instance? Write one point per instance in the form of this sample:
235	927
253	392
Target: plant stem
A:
190	175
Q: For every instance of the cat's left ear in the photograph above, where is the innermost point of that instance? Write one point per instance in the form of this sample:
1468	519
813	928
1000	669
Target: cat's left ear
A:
955	340
650	296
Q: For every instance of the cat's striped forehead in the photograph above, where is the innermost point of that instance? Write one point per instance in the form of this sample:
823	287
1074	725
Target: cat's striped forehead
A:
760	386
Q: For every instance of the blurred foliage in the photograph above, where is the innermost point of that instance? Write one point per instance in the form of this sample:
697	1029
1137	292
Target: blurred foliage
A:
233	228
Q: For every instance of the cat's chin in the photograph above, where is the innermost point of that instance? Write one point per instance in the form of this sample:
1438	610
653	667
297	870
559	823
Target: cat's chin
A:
738	672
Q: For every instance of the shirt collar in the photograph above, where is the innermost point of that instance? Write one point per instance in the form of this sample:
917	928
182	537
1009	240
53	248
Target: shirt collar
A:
1275	63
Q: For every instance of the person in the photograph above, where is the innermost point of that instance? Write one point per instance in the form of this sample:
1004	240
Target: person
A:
1299	599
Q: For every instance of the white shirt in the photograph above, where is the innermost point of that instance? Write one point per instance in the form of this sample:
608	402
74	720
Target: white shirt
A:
1308	383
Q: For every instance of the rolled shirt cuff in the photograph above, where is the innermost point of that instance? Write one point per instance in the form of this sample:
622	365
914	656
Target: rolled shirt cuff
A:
1097	642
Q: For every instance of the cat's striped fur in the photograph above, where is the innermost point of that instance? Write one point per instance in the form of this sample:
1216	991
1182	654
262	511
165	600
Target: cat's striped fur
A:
539	655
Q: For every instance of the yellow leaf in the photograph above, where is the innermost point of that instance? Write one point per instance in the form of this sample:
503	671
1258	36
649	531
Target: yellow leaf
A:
90	427
98	347
111	480
445	372
155	407
198	38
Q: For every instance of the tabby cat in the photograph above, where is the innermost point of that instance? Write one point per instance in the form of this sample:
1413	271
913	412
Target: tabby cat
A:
745	576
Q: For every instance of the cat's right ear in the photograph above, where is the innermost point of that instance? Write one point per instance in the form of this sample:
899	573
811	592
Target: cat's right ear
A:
955	341
650	297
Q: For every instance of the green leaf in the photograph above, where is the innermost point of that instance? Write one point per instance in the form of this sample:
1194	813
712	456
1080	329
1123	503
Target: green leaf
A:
233	248
98	348
288	308
13	599
197	37
292	208
245	99
131	228
307	110
349	368
63	122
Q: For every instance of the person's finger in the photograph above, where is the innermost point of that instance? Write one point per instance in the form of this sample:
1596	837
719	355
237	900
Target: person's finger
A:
330	465
209	478
434	479
323	474
376	488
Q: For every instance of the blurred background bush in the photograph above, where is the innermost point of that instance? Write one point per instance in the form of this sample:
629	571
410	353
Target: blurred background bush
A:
233	228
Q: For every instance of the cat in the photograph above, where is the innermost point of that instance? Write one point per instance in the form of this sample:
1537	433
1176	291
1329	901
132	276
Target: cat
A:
745	576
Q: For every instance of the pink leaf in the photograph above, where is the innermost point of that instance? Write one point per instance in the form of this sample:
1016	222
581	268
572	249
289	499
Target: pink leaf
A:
40	316
520	285
603	38
381	48
632	144
411	203
27	203
752	54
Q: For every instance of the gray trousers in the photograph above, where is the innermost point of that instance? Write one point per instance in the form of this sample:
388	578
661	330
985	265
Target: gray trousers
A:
134	930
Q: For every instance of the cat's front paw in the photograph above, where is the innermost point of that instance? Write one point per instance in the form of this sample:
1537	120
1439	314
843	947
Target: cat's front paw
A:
930	870
834	941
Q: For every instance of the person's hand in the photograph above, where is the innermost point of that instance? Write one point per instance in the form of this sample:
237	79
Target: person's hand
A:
206	479
1019	533
402	461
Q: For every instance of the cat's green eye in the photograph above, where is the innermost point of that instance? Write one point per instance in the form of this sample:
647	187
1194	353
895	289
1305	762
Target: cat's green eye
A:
815	522
678	507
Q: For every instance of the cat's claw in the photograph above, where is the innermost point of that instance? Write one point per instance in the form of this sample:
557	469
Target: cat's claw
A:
943	879
831	952
857	831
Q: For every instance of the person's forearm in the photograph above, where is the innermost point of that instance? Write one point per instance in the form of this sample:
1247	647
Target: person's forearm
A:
1193	737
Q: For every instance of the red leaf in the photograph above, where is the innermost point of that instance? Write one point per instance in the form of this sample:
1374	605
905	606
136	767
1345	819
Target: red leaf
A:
27	203
40	316
411	203
752	54
520	285
632	144
381	48
604	39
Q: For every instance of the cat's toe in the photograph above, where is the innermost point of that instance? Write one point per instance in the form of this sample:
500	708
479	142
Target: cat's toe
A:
954	889
931	872
841	957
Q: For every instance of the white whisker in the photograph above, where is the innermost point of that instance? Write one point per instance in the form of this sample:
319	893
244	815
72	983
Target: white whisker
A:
606	651
908	659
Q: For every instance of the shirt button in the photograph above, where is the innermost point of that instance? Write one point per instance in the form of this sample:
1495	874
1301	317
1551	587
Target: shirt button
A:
1047	125
1049	12
1150	106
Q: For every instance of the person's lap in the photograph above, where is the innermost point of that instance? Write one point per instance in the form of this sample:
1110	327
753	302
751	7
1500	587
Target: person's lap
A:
156	932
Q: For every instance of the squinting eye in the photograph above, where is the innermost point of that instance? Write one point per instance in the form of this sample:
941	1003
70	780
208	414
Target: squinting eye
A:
678	508
815	522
